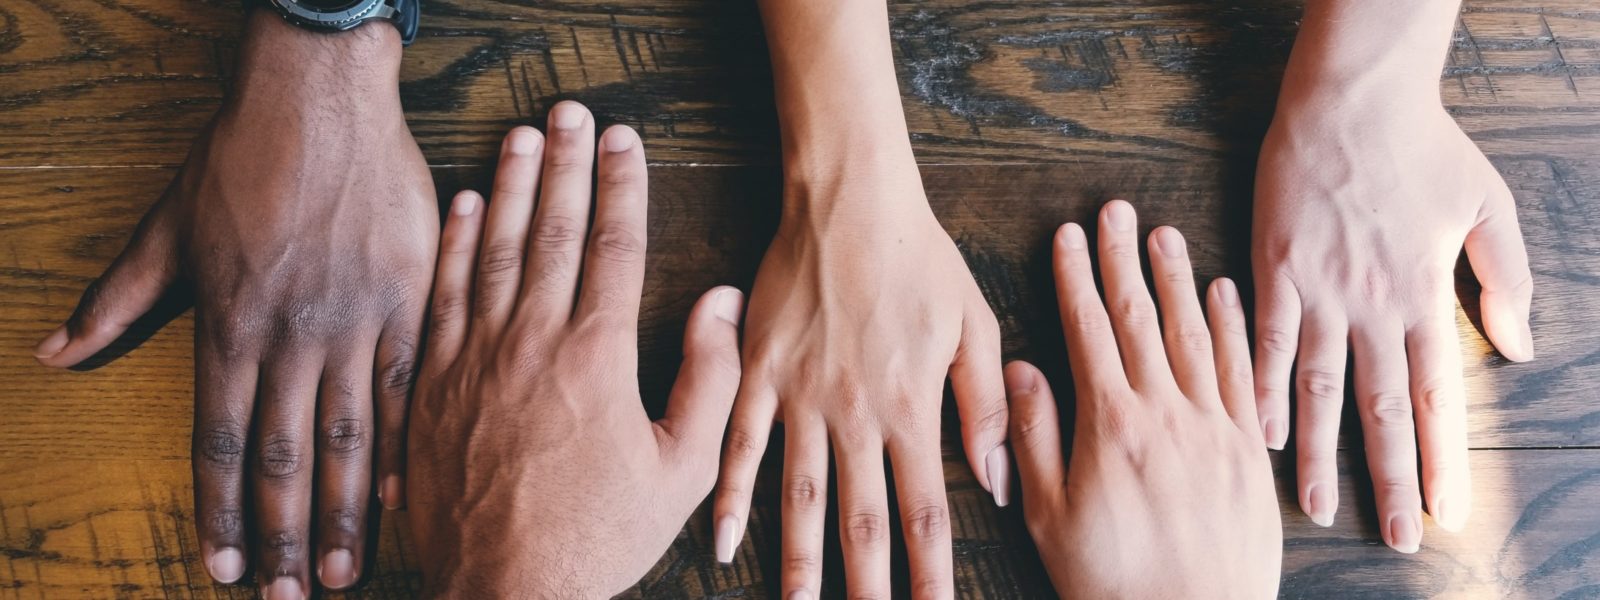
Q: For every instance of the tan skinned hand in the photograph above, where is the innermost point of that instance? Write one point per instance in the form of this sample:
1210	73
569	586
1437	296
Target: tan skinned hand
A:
535	471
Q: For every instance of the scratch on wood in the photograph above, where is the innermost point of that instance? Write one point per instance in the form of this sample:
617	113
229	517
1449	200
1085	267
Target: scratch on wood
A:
578	50
622	55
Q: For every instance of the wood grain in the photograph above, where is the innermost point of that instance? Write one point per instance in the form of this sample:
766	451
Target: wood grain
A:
1025	113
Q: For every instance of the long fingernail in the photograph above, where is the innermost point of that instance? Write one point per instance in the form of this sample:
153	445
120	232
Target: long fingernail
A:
1119	215
338	569
567	115
998	464
729	305
1272	429
1446	519
1227	292
1320	505
1404	535
226	565
284	588
727	538
53	343
620	138
522	141
392	493
1170	242
800	595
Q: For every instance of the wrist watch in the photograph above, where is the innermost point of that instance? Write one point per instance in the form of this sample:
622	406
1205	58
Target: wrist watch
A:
344	15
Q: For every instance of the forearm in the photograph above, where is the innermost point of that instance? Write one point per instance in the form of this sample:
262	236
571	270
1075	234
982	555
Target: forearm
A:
1356	50
838	101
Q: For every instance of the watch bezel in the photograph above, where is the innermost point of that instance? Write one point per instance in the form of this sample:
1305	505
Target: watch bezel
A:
339	20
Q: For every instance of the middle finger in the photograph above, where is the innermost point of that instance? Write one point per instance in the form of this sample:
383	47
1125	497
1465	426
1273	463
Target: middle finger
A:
282	475
1133	313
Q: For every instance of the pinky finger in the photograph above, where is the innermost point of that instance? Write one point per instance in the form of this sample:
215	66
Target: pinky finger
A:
452	283
396	361
1235	380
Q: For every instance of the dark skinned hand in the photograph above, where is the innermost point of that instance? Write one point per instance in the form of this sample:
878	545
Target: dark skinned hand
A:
305	221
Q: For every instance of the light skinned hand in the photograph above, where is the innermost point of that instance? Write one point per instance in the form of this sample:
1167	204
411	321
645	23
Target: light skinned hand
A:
1169	492
1360	216
854	323
535	471
310	273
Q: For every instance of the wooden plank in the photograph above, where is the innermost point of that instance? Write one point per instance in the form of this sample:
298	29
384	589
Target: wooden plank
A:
129	82
124	529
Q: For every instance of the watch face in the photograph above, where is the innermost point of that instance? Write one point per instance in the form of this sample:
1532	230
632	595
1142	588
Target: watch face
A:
327	5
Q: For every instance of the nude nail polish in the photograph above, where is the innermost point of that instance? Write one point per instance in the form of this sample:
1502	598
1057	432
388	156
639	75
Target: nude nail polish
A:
998	464
727	538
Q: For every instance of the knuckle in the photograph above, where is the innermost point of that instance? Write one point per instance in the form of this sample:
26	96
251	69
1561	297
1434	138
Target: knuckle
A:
801	562
926	523
1321	385
1433	399
742	445
995	416
1087	317
866	528
621	175
557	231
614	242
1191	338
221	448
803	492
1389	409
285	545
1033	430
399	372
1275	340
1135	312
344	519
224	523
499	261
345	436
280	456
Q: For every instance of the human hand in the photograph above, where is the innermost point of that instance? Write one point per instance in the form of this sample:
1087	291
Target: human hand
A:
306	223
535	471
1169	493
857	315
1362	209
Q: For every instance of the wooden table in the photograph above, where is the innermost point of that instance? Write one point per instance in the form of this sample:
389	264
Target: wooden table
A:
1024	113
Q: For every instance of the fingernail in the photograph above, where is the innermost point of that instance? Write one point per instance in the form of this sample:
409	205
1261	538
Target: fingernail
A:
392	493
283	588
1119	216
800	595
1272	429
1227	293
226	565
1403	534
1170	242
464	204
620	138
1320	505
1072	236
338	569
729	305
522	141
53	343
567	115
727	538
1445	518
998	464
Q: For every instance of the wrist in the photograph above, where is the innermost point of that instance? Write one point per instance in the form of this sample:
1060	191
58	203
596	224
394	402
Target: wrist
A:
282	64
1362	55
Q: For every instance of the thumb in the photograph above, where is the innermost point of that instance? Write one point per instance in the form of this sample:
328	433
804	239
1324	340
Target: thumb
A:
129	288
697	411
980	389
1494	246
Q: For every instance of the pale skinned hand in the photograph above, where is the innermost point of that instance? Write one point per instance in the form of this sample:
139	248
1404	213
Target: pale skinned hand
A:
1361	212
305	221
1169	492
535	471
855	320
